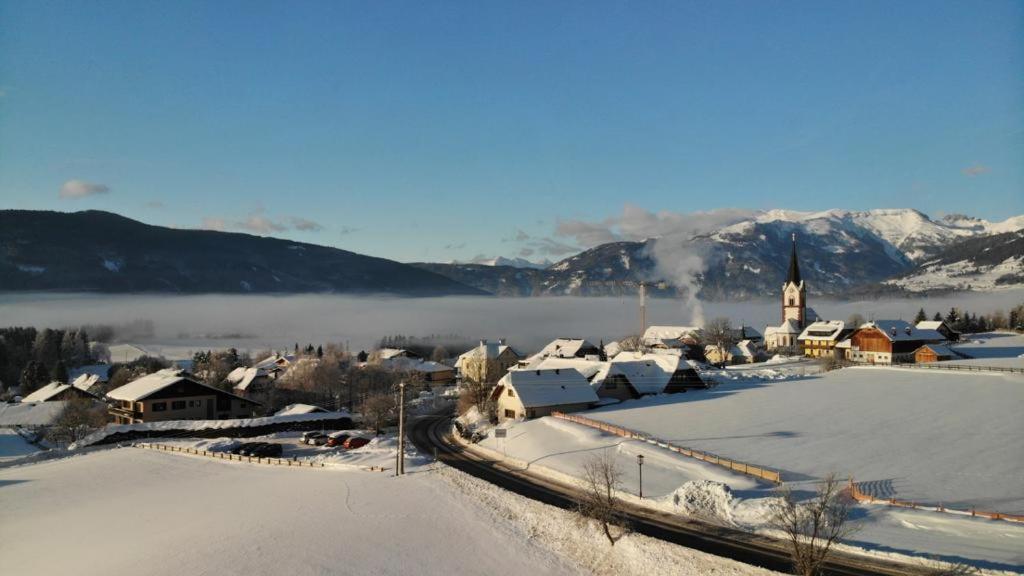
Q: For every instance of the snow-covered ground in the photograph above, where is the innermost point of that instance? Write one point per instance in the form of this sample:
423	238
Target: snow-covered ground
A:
939	436
145	512
13	446
993	349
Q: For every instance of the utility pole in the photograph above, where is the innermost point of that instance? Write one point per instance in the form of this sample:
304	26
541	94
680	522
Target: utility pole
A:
400	465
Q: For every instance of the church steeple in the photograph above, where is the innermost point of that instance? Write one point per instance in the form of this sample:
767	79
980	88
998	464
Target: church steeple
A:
794	268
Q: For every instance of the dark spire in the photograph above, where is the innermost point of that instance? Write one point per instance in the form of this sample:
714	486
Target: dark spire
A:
794	269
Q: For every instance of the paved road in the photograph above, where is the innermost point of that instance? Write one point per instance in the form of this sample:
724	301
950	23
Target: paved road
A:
433	432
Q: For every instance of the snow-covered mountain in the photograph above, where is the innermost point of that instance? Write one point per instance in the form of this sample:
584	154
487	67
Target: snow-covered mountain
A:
511	262
842	252
983	263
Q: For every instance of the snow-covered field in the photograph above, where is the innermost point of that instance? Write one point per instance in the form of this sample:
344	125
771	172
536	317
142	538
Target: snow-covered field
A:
133	511
943	437
13	446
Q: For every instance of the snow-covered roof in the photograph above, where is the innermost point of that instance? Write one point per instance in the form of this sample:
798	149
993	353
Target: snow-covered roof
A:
670	336
932	325
536	388
746	349
299	409
249	375
275	360
648	373
86	381
594	371
902	331
44	393
565	347
236	375
388	353
790	326
486	350
826	330
415	365
151	384
101	371
612	349
941	350
30	413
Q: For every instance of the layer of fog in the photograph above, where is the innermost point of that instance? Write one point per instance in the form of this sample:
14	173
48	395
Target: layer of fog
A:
185	323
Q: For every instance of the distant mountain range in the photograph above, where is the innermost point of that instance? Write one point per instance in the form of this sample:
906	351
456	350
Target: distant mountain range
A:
102	252
842	253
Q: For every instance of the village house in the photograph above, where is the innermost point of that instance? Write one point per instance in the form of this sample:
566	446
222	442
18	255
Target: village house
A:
671	337
297	409
255	380
89	378
889	341
488	362
820	338
57	391
422	371
563	348
174	395
522	394
941	327
935	353
742	352
634	374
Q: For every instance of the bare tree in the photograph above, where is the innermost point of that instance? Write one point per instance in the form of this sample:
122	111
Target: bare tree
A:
854	320
439	354
79	418
378	410
719	333
601	481
813	526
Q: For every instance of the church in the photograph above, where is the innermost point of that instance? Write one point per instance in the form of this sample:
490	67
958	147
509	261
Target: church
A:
795	313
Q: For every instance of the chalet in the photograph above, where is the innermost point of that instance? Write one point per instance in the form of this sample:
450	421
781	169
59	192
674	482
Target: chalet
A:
534	393
889	341
282	361
820	338
488	362
389	353
671	336
174	395
935	353
941	327
55	392
252	381
563	348
85	377
426	371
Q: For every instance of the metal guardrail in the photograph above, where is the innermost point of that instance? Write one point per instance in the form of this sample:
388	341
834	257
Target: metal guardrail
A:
741	467
229	456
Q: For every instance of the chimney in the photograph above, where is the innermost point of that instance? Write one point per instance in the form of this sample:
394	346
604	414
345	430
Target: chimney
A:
501	341
483	342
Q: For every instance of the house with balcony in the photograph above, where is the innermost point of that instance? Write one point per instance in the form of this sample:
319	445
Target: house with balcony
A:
175	395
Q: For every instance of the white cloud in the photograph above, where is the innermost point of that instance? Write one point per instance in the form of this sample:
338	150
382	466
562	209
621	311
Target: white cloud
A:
975	170
305	225
259	225
73	189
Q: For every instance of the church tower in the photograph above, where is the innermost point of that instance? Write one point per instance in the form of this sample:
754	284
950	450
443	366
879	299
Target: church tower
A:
794	293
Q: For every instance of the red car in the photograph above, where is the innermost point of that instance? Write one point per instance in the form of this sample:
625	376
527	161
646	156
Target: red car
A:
355	442
335	440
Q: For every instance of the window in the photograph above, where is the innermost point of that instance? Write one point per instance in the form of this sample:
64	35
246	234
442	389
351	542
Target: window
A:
610	384
510	413
511	393
792	302
178	405
159	406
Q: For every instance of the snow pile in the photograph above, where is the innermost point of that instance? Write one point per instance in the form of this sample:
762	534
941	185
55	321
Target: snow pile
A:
704	499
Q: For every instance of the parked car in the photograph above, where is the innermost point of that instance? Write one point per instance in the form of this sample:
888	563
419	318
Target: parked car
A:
337	439
314	438
243	446
268	450
355	442
251	449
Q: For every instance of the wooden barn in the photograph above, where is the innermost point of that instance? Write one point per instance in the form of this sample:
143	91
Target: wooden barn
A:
889	341
934	353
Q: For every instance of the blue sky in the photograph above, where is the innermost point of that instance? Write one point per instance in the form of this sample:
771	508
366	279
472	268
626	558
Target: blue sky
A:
432	131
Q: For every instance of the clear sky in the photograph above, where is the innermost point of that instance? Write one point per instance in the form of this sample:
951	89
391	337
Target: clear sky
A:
440	130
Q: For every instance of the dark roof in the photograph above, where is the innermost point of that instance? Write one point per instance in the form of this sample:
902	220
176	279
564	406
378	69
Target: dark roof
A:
794	269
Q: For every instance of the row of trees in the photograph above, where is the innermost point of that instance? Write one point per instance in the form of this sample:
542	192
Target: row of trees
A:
963	321
31	358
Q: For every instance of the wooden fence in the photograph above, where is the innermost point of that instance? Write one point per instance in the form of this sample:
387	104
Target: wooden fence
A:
961	367
741	467
860	496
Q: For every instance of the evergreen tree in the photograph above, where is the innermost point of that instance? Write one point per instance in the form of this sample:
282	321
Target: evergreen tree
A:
937	317
59	372
319	351
921	316
33	376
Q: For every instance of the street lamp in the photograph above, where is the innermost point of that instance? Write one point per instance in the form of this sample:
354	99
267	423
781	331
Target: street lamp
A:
640	465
